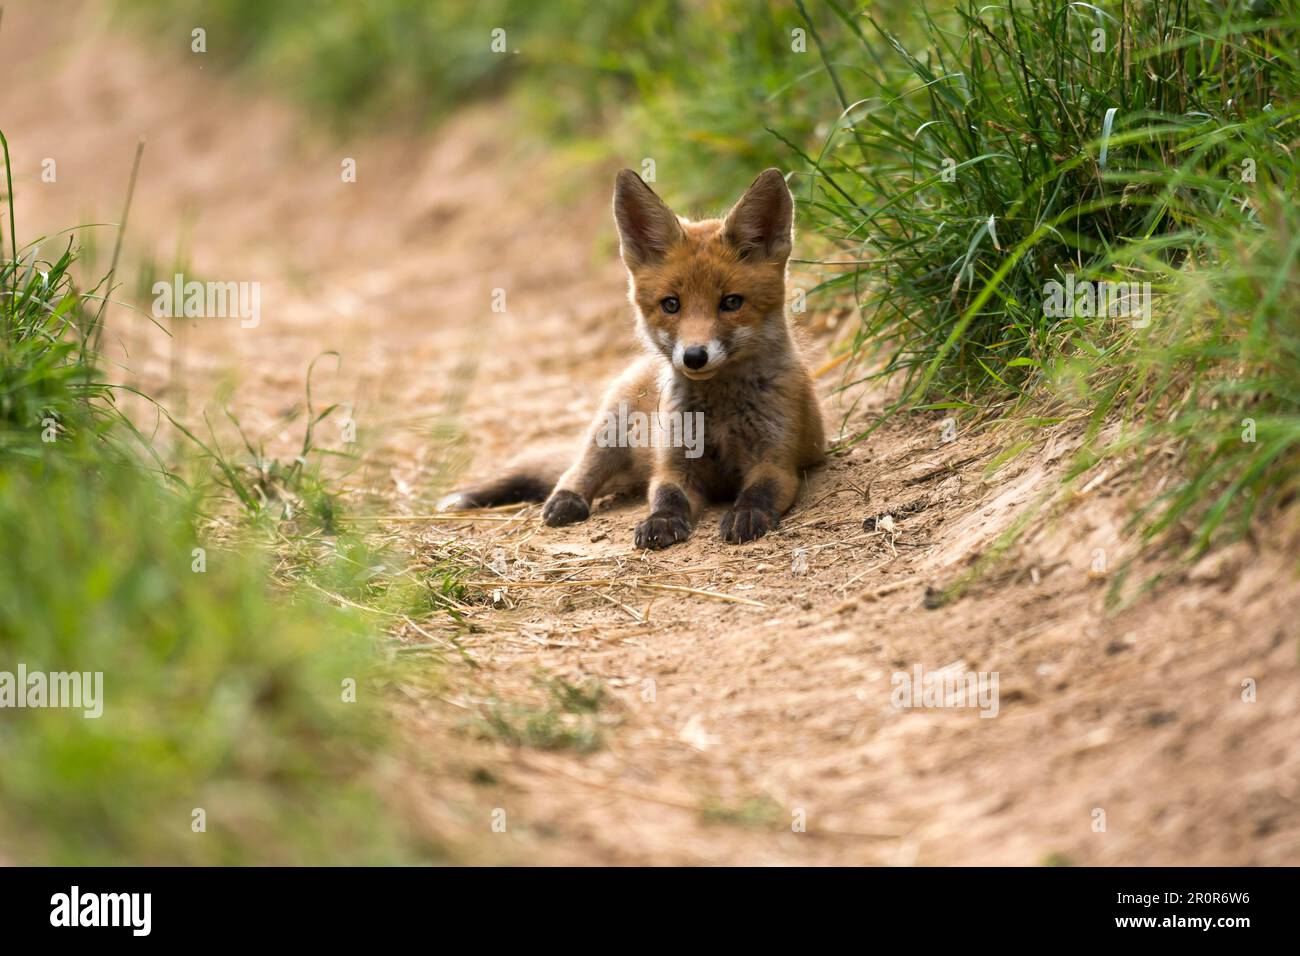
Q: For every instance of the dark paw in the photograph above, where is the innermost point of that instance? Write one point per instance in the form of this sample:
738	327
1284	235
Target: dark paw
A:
661	530
565	507
746	524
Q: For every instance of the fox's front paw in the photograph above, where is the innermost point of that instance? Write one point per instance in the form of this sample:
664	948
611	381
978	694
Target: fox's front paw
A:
661	530
745	524
565	507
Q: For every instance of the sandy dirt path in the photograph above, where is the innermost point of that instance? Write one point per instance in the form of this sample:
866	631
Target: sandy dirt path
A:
753	724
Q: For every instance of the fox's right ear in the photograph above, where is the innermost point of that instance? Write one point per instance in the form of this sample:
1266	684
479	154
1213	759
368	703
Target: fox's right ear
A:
647	228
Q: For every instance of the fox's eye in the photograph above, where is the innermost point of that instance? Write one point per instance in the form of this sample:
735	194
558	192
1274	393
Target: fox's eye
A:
670	304
730	303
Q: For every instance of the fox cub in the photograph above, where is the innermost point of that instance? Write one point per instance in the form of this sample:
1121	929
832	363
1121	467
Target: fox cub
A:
710	305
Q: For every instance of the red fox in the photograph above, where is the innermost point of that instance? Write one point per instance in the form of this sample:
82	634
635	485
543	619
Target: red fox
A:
709	298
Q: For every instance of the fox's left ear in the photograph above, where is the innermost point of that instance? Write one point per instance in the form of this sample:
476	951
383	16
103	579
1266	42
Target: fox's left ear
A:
759	224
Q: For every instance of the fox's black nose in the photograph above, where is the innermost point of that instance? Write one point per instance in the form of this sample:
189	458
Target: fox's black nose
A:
695	357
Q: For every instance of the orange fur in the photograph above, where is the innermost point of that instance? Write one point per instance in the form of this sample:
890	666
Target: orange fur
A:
710	304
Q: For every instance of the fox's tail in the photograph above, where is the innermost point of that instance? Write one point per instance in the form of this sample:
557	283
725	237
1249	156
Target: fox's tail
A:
530	477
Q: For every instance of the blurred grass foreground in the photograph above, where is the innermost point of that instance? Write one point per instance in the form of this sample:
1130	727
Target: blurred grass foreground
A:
233	724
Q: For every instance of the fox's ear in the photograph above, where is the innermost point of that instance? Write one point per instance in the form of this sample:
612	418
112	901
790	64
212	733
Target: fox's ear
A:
759	224
647	228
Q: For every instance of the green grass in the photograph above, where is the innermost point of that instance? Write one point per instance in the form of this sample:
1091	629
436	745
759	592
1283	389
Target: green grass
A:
217	695
568	718
221	692
1013	100
1124	163
688	85
414	60
753	813
296	509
